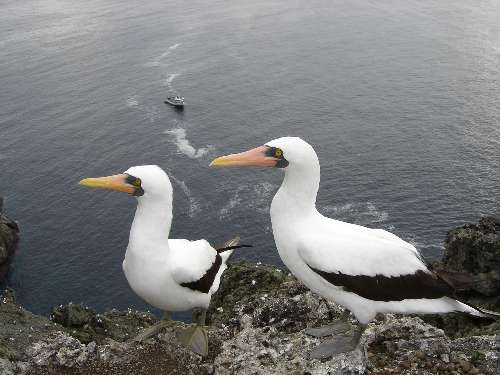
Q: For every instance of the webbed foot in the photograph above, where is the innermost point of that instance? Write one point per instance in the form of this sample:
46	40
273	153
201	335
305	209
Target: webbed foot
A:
195	338
337	345
329	330
152	331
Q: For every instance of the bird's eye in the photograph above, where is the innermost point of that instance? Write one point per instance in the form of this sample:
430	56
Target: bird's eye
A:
278	153
134	181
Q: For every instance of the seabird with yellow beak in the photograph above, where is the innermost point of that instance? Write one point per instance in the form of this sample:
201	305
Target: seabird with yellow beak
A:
169	274
368	271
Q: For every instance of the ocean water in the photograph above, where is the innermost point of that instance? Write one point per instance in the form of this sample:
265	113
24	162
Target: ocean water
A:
401	101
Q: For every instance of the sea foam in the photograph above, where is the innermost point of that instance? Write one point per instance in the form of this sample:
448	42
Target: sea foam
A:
132	102
194	203
184	146
170	78
362	213
256	197
158	61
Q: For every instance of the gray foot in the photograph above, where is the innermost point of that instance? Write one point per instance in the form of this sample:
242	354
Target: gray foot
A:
339	344
151	331
194	338
329	330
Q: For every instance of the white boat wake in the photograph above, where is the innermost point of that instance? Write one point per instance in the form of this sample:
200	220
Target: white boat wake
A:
184	146
159	60
170	78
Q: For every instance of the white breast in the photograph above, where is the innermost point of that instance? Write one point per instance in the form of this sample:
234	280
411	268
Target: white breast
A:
151	279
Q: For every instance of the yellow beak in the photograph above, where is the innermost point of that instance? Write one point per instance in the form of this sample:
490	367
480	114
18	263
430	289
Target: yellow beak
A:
254	157
116	182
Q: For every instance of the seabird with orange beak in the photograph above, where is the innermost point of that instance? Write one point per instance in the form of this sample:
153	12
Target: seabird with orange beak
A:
368	271
169	274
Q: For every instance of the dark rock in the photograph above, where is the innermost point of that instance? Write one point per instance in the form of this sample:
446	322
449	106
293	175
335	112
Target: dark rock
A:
32	344
72	315
19	328
119	325
62	354
9	236
422	345
9	296
475	249
240	281
460	325
289	310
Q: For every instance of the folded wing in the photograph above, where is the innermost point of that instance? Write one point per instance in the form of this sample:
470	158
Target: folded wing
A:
195	264
371	263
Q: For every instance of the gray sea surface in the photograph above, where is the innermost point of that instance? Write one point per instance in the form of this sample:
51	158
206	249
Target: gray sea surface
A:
401	100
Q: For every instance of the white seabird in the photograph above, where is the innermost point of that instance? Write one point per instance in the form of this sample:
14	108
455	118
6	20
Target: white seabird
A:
169	274
368	271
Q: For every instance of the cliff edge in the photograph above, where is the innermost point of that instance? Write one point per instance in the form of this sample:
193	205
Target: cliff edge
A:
256	326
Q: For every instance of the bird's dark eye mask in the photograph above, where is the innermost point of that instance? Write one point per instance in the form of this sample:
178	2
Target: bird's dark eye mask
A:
277	153
136	183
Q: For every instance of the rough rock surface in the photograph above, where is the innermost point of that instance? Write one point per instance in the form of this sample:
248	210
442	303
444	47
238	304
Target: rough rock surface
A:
475	250
19	328
32	344
257	324
9	235
84	324
263	333
409	345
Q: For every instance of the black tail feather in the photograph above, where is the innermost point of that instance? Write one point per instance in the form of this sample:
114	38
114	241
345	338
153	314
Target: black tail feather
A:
485	314
222	249
488	314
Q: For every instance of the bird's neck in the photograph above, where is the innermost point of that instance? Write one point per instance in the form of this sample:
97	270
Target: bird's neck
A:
297	194
151	224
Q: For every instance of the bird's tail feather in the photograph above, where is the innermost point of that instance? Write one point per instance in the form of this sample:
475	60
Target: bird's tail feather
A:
231	245
479	312
488	314
222	249
461	281
232	242
227	249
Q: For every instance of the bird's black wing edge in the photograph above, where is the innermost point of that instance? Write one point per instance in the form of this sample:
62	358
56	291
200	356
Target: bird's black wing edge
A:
204	284
420	284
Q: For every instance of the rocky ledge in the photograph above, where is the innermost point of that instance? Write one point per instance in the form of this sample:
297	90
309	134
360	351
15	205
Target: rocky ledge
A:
9	235
257	326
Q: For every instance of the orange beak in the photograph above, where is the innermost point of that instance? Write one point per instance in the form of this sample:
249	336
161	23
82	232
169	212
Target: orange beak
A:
254	157
117	182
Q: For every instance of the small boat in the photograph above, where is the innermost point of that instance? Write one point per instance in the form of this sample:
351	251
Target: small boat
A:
176	101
